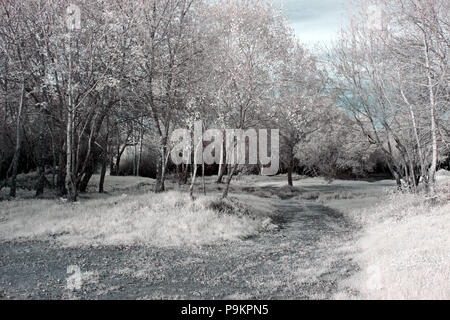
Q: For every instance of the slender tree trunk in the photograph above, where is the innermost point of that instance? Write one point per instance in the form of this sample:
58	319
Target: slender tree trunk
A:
191	187
434	135
42	180
232	168
184	174
117	166
203	178
164	170
194	173
102	176
15	161
434	157
290	168
105	158
230	176
394	174
120	151
112	169
88	172
203	162
54	156
61	177
407	179
160	170
104	165
413	176
5	115
70	183
222	170
141	137
222	165
423	169
289	175
135	155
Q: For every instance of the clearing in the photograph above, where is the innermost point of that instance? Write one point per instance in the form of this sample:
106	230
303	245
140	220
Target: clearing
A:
132	244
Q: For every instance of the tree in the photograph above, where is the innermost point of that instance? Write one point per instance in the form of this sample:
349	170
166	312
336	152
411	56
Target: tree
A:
15	40
303	102
248	48
337	148
389	74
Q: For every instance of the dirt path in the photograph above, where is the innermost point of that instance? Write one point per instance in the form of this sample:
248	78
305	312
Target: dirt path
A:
302	259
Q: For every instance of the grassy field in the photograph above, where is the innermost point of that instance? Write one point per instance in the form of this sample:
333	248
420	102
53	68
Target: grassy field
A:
404	250
165	219
400	242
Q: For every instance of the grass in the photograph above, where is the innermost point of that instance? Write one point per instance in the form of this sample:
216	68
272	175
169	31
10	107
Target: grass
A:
26	183
404	251
166	219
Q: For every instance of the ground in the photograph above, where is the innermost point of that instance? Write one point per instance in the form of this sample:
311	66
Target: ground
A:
307	250
293	262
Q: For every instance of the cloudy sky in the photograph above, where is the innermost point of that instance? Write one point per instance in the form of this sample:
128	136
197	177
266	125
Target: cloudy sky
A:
315	21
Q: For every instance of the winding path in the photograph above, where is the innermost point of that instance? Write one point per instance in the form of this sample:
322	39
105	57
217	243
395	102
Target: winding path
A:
303	259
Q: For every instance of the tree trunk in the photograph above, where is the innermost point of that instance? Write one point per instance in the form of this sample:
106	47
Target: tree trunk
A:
86	176
54	159
394	174
184	174
290	167
5	116
413	175
104	160
423	169
203	178
102	177
112	169
117	165
434	159
194	173
230	176
41	182
289	175
141	137
135	155
160	171
222	170
434	134
191	187
222	165
15	161
70	183
61	177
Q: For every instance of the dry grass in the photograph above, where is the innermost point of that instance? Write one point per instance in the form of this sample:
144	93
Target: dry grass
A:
167	219
405	248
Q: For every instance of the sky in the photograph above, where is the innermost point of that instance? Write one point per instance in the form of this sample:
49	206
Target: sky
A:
315	21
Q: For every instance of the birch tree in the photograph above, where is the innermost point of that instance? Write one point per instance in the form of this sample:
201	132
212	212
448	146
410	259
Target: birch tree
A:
393	77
